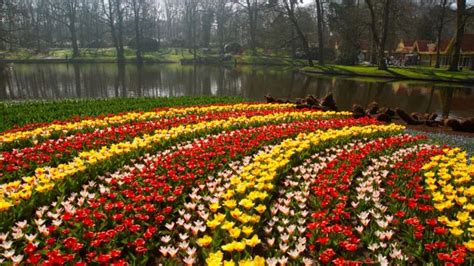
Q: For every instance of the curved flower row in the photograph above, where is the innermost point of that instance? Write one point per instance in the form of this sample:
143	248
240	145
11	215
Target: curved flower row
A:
45	179
375	216
330	229
129	206
253	185
284	234
21	162
46	131
449	179
242	204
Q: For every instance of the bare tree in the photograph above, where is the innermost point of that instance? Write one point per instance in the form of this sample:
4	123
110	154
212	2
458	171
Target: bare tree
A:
319	11
113	13
289	9
251	8
462	15
137	10
380	34
223	11
3	30
439	30
65	12
191	15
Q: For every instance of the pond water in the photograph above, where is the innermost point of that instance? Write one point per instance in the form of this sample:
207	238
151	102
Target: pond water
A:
62	81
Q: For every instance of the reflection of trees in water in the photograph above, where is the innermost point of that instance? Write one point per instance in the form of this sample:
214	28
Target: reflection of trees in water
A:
430	100
77	80
3	81
111	80
120	85
446	101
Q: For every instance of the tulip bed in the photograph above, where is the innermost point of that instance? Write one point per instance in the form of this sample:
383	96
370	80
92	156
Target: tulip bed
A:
232	184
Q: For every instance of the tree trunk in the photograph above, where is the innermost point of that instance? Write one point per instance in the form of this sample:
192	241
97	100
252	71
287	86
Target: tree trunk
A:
207	21
120	50
293	44
460	25
194	22
2	30
220	33
442	16
320	32
72	8
300	33
383	41
252	12
136	13
373	29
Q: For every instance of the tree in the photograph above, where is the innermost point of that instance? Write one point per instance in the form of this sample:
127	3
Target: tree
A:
137	10
71	14
65	12
191	20
289	8
346	21
207	19
462	15
380	35
223	11
439	29
113	13
319	11
251	8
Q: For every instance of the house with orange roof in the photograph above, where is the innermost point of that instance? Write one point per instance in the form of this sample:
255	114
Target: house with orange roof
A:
427	52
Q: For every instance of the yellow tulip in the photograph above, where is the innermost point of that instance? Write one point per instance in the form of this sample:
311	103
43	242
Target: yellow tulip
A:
469	245
214	207
463	217
234	232
230	203
247	230
235	213
229	263
215	259
212	224
260	208
204	241
227	225
5	205
456	231
246	203
252	242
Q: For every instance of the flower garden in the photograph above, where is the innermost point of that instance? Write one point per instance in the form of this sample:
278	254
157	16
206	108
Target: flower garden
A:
232	184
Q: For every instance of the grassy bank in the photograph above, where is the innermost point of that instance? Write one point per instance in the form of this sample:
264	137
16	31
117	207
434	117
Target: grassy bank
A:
165	55
414	73
22	113
102	55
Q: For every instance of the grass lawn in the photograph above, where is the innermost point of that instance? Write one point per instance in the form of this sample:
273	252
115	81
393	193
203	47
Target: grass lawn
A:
420	73
100	55
165	55
21	113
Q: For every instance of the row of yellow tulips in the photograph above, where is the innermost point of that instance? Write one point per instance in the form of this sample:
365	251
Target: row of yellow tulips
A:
46	131
242	206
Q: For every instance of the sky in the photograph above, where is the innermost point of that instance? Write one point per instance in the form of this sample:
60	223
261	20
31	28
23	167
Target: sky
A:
312	1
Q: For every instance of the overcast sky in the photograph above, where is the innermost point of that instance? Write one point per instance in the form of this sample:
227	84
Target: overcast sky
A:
312	1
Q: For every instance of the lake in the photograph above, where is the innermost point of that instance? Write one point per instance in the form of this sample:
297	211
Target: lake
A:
63	81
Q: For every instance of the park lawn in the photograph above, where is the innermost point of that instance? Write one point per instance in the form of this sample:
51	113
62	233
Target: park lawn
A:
164	55
106	55
27	112
267	60
417	73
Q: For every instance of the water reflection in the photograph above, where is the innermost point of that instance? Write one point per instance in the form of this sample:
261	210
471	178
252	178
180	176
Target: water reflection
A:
59	81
